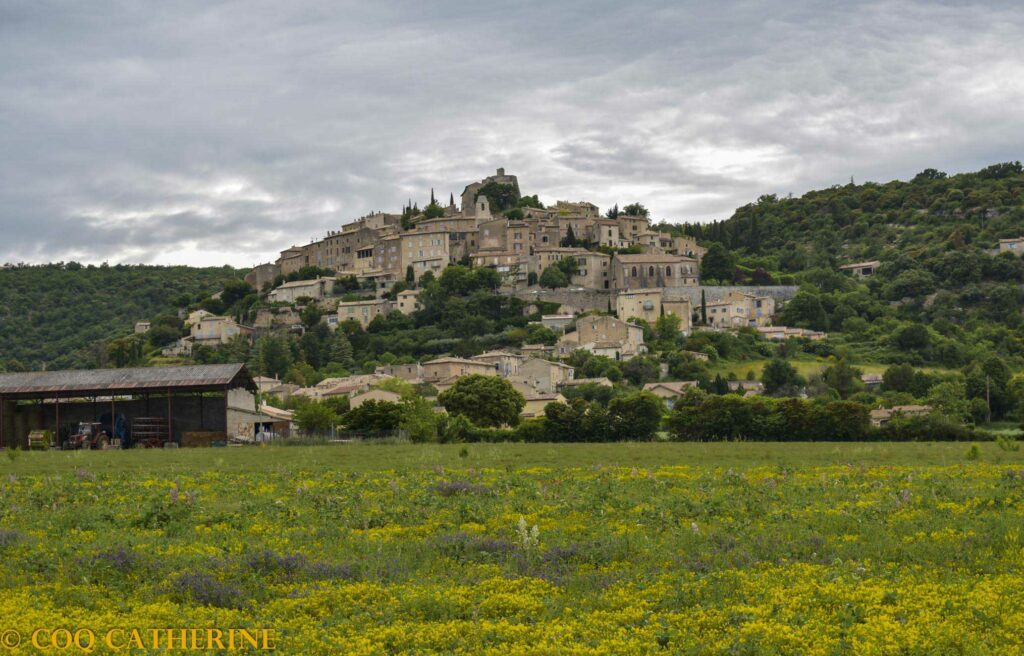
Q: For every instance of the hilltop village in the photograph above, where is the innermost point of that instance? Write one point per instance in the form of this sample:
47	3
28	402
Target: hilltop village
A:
607	276
570	253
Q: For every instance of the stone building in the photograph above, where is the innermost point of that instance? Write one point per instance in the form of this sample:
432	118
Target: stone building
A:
650	305
1015	246
505	364
737	310
544	375
544	257
213	330
363	311
639	304
290	292
604	232
630	227
594	270
603	335
446	369
649	270
262	275
406	301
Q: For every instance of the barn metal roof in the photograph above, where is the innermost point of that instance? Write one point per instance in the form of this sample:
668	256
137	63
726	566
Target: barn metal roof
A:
91	382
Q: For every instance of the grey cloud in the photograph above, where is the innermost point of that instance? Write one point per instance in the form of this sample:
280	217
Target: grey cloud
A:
221	132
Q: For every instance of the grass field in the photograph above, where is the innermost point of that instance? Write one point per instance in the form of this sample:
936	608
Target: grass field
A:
525	549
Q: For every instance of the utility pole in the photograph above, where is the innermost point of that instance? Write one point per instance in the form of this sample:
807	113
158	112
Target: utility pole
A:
988	397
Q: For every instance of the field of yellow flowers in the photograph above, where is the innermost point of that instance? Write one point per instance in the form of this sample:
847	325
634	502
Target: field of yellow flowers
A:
822	559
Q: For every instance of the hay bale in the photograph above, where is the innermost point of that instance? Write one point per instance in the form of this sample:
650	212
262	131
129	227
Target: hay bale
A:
201	438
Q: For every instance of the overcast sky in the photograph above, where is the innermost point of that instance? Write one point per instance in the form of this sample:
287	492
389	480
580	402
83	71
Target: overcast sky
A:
205	132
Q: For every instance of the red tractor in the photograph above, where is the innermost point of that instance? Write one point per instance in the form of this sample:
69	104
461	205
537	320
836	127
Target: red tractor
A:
88	436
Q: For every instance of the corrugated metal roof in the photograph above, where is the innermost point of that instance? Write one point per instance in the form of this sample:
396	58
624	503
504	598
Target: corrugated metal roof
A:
87	382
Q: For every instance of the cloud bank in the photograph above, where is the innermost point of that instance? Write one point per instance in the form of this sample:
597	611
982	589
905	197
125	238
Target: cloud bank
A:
213	133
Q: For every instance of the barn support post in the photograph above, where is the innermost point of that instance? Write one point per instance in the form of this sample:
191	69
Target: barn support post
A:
56	420
3	438
113	420
170	432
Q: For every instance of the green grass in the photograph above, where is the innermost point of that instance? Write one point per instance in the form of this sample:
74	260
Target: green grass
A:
362	457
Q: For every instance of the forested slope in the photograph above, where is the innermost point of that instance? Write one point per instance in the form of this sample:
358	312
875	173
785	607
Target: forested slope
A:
57	315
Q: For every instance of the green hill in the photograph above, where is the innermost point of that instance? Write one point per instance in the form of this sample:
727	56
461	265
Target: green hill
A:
57	315
923	218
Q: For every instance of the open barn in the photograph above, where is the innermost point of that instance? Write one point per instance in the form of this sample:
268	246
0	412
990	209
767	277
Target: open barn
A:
195	405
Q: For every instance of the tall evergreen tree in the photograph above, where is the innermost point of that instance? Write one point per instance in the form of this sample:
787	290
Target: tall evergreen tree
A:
341	350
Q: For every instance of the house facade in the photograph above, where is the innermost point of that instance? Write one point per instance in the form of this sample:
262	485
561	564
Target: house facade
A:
603	335
738	310
444	369
213	331
406	302
545	375
363	311
290	292
649	270
1015	246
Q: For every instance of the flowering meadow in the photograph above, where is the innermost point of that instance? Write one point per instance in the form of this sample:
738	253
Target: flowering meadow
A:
425	558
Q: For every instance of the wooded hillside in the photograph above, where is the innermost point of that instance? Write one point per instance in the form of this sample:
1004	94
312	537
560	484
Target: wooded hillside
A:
57	315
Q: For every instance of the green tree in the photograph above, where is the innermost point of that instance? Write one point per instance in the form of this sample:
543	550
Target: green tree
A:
315	417
804	311
234	291
484	400
374	416
635	209
668	327
274	355
636	416
433	211
641	370
950	399
842	378
553	278
915	283
310	315
779	375
717	264
898	378
989	381
418	420
913	337
570	238
500	196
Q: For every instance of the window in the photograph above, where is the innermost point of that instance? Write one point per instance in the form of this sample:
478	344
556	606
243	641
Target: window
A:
668	271
650	271
634	271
